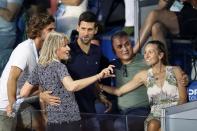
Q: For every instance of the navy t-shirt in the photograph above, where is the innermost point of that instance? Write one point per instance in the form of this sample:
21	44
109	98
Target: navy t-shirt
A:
83	65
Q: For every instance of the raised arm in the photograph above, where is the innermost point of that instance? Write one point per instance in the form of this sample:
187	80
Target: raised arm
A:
10	12
76	85
137	80
181	86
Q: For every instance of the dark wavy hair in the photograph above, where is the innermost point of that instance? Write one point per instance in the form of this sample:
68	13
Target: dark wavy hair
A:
161	48
37	23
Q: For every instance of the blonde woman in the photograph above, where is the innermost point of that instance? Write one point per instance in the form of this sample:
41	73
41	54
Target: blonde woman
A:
52	75
163	82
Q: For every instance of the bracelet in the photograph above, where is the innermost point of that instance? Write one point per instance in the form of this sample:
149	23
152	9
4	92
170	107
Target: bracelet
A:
101	95
101	90
102	87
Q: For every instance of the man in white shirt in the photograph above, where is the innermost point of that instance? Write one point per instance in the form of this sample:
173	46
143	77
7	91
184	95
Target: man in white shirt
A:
22	61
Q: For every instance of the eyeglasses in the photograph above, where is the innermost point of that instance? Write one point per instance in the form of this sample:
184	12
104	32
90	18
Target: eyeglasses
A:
124	71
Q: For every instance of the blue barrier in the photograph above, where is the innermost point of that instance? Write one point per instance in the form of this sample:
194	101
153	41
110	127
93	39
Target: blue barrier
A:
192	91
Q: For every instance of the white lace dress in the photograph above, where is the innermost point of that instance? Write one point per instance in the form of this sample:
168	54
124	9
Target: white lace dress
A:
161	97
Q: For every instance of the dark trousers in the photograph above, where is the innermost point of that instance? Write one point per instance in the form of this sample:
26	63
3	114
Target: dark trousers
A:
72	126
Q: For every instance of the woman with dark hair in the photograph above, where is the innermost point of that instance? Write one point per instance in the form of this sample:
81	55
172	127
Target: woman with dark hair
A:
163	82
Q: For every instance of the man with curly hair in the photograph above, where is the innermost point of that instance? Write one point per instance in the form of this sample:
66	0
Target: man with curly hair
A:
21	63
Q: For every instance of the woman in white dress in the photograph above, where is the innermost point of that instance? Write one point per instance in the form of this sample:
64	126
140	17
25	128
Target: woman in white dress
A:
163	82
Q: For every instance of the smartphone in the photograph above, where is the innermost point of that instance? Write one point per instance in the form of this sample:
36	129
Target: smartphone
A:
176	6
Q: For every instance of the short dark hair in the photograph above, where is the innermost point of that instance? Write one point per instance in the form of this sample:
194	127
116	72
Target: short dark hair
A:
161	48
37	23
119	34
88	16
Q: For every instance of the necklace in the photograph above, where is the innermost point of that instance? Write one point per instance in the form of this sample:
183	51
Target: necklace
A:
156	78
159	75
159	78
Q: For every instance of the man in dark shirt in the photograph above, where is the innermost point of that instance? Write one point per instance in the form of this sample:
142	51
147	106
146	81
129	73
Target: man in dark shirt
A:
85	60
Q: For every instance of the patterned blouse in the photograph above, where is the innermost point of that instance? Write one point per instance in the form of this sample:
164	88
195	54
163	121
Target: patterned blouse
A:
162	97
49	78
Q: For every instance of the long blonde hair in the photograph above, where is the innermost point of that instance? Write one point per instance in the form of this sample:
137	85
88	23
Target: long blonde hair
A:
53	41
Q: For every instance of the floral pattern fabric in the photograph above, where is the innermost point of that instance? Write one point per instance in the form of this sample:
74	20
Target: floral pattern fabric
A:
49	78
161	97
